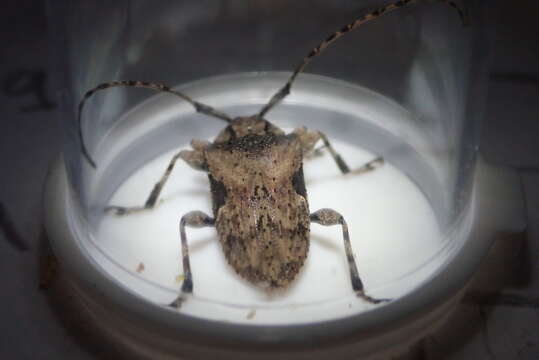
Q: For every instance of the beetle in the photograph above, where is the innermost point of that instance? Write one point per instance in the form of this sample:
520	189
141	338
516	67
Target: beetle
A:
255	171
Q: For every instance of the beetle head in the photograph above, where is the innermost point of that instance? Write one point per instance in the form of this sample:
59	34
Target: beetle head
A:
248	125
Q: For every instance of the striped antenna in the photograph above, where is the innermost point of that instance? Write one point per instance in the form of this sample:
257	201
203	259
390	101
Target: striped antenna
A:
285	90
199	107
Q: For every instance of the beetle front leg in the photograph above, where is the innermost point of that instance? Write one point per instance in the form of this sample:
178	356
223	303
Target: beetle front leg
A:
328	217
195	158
196	219
309	139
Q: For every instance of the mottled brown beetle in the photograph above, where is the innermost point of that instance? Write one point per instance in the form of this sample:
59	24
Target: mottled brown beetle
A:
260	207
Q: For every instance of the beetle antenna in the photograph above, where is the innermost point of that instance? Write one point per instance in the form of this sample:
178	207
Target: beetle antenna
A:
199	107
285	90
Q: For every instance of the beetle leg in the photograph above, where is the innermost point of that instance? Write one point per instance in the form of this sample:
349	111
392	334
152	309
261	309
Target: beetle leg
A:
329	217
196	219
338	159
195	158
309	139
154	194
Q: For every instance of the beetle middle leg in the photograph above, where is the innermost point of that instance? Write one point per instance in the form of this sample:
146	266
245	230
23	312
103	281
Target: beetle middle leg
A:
309	139
196	219
328	217
195	158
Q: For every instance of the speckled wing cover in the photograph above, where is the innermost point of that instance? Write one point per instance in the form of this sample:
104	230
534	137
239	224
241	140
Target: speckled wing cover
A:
260	206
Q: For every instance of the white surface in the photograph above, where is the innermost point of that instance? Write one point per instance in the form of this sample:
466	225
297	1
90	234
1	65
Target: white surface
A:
393	231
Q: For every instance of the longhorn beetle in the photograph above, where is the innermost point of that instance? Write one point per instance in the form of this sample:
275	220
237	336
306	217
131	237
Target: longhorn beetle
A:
255	170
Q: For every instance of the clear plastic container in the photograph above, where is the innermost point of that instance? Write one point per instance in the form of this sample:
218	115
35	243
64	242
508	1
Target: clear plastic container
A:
408	87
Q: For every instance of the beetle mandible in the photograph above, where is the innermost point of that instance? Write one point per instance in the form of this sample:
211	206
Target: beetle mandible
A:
255	170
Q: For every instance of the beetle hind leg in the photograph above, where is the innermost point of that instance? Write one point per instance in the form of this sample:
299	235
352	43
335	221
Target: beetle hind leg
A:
196	219
328	217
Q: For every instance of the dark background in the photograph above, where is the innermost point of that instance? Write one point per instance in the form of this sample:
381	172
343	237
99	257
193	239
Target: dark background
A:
30	139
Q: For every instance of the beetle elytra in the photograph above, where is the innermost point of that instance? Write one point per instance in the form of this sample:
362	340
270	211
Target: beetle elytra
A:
255	170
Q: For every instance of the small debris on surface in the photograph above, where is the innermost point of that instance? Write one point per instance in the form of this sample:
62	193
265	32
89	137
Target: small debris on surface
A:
140	268
251	314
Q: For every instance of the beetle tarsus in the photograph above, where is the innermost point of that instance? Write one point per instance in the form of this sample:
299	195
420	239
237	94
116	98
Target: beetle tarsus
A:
370	166
121	211
361	294
177	303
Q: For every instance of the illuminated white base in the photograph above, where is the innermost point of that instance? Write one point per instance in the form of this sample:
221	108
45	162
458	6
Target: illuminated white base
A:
393	229
124	270
148	330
